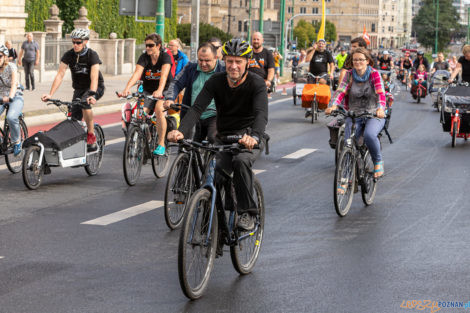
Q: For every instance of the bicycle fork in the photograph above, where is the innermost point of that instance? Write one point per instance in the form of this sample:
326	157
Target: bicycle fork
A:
455	119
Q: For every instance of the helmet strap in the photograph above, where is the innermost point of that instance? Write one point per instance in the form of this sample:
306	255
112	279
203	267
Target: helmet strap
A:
237	82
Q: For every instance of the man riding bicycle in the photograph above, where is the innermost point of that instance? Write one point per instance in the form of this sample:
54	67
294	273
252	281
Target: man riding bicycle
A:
262	62
87	80
463	66
406	65
386	62
321	61
242	109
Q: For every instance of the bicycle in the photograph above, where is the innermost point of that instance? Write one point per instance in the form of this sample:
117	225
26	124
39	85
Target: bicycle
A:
210	224
312	109
14	163
141	141
185	176
65	145
355	166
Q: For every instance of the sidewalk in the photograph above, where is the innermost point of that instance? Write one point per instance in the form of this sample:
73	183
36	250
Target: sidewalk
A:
38	113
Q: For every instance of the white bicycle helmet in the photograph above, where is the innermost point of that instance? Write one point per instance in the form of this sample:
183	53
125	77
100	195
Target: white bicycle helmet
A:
80	33
4	50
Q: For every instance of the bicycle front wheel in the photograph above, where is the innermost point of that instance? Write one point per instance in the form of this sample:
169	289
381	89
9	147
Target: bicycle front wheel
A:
339	144
345	180
197	245
32	172
13	162
179	187
245	254
369	183
133	155
94	159
454	134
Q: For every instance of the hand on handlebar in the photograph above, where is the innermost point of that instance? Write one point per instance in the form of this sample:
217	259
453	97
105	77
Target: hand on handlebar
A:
157	94
175	135
330	109
268	83
91	100
167	104
248	141
123	94
380	113
45	97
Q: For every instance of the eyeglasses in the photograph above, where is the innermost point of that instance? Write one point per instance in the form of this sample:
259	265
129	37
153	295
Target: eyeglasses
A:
149	45
77	42
359	60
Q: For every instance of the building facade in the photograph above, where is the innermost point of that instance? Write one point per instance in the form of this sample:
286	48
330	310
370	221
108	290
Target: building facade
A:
394	23
12	20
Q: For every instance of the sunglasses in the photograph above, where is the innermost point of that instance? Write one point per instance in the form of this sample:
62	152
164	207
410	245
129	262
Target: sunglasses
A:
149	45
77	42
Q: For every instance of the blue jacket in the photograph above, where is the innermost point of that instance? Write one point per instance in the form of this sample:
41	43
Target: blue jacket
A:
184	80
182	60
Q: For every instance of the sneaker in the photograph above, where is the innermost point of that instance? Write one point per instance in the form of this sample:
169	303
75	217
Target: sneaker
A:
17	149
91	142
159	151
246	222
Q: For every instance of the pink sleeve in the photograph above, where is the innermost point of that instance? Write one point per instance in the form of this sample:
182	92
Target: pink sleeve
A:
379	89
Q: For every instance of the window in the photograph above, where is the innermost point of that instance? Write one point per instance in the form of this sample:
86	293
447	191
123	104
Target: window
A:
239	26
383	17
393	18
383	29
303	10
372	29
245	26
314	10
290	10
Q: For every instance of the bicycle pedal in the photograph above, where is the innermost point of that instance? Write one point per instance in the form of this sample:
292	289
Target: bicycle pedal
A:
47	170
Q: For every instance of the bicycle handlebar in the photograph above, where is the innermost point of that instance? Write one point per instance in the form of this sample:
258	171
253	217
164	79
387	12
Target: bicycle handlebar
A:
57	102
351	114
318	76
234	147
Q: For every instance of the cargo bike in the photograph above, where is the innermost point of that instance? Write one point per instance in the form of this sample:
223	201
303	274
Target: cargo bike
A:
64	145
455	113
437	88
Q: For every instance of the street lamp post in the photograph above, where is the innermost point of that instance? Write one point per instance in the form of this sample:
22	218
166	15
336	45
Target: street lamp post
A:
283	31
249	23
437	26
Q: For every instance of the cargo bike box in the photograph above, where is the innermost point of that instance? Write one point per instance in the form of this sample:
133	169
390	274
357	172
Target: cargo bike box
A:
457	97
322	92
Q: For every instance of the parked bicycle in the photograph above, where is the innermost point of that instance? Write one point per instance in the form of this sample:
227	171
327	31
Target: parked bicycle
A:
13	162
62	146
210	223
142	140
355	167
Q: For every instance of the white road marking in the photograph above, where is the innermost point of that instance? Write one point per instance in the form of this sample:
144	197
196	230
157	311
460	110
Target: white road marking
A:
256	172
1	257
125	214
3	167
111	125
114	141
277	101
298	154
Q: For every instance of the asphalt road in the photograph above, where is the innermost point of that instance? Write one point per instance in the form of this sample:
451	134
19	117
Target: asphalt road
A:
411	244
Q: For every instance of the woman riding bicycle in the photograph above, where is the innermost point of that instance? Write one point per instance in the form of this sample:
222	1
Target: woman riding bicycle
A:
362	91
153	68
10	94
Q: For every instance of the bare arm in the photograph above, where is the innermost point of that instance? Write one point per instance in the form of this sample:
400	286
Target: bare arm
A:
310	53
139	69
456	71
14	84
163	78
94	75
270	76
20	56
58	78
37	57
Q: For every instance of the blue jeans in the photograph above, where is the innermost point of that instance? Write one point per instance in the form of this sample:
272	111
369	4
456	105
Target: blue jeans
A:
14	112
373	126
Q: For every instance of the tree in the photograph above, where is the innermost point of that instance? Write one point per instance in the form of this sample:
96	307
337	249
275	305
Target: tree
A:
330	30
68	13
35	22
305	34
425	21
206	32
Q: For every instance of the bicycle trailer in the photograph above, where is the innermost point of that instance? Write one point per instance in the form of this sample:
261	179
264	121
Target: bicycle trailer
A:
457	97
64	144
323	95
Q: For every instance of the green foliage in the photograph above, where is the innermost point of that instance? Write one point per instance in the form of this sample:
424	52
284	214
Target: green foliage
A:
206	32
424	23
35	22
305	34
68	12
330	30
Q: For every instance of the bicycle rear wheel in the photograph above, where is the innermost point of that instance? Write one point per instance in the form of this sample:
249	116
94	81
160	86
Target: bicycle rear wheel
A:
14	163
95	159
179	187
197	245
133	155
344	183
369	184
245	254
160	163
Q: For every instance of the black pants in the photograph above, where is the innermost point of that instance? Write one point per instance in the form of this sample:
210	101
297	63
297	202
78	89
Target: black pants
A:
82	94
243	178
206	128
29	72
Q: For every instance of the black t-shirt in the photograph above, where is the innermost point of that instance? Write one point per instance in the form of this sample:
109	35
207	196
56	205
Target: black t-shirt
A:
237	108
81	67
385	64
319	62
261	62
441	66
465	69
152	73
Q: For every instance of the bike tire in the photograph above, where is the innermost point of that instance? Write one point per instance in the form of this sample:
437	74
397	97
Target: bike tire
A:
160	163
369	186
32	173
179	187
15	163
454	135
314	108
95	159
339	144
245	254
196	222
133	155
345	174
294	95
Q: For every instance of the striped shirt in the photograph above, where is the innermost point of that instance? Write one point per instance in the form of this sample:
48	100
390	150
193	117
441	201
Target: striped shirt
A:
343	89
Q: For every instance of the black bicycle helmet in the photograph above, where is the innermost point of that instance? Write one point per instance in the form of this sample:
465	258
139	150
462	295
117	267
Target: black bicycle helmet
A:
420	53
237	47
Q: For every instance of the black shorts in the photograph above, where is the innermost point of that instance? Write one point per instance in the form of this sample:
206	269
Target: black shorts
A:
149	103
82	94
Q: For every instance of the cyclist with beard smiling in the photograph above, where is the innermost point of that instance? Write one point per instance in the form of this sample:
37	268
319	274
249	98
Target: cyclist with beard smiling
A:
262	62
